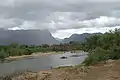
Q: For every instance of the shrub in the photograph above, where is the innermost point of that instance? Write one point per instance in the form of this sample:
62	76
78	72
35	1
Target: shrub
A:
2	54
96	56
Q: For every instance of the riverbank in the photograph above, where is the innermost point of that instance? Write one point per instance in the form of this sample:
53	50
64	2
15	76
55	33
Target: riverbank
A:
10	58
102	71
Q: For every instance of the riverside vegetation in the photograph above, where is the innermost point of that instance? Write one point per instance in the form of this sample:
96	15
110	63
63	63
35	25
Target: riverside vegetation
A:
19	50
102	47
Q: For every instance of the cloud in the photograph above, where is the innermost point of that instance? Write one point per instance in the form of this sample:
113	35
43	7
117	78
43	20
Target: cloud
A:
65	22
57	15
8	22
67	33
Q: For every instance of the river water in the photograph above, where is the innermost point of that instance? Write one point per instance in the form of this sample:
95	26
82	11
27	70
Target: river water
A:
36	64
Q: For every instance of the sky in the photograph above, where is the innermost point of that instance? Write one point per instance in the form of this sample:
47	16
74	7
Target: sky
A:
61	17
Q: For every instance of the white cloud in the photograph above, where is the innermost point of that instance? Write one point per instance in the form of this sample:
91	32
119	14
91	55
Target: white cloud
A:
102	21
28	25
68	23
16	28
67	33
7	22
65	22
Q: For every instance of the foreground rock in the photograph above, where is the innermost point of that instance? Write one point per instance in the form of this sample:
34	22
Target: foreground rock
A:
101	71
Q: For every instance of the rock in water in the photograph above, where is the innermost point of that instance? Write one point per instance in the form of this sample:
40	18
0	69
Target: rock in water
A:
63	57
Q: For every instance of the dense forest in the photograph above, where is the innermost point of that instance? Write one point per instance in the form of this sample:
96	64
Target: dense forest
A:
102	47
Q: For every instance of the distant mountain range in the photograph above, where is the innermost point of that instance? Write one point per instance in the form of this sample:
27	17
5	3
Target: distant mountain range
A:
78	37
29	37
37	37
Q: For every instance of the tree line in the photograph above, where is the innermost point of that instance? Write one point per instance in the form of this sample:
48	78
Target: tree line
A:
18	50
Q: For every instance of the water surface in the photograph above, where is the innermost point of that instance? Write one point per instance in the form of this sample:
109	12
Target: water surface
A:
41	63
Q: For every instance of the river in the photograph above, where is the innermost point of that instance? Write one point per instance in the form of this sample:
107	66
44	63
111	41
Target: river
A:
36	64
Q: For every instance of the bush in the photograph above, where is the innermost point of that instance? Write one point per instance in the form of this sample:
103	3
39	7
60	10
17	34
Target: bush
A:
100	54
96	56
2	54
114	53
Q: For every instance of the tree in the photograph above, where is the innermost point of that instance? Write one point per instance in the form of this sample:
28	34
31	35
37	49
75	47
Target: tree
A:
2	54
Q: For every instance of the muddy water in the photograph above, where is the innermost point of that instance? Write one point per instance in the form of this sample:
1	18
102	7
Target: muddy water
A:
36	64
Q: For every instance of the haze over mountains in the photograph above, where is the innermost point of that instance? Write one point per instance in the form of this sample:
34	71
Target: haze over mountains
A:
79	37
30	37
36	37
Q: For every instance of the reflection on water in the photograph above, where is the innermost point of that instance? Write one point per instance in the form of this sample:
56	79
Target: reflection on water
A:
40	63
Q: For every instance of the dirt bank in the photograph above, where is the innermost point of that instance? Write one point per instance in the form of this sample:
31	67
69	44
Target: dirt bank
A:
101	71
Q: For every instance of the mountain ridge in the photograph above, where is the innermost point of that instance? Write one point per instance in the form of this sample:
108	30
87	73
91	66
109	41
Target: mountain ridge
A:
29	37
78	37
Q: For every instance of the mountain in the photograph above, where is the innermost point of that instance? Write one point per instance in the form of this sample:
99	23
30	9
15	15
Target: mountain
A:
29	37
79	37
